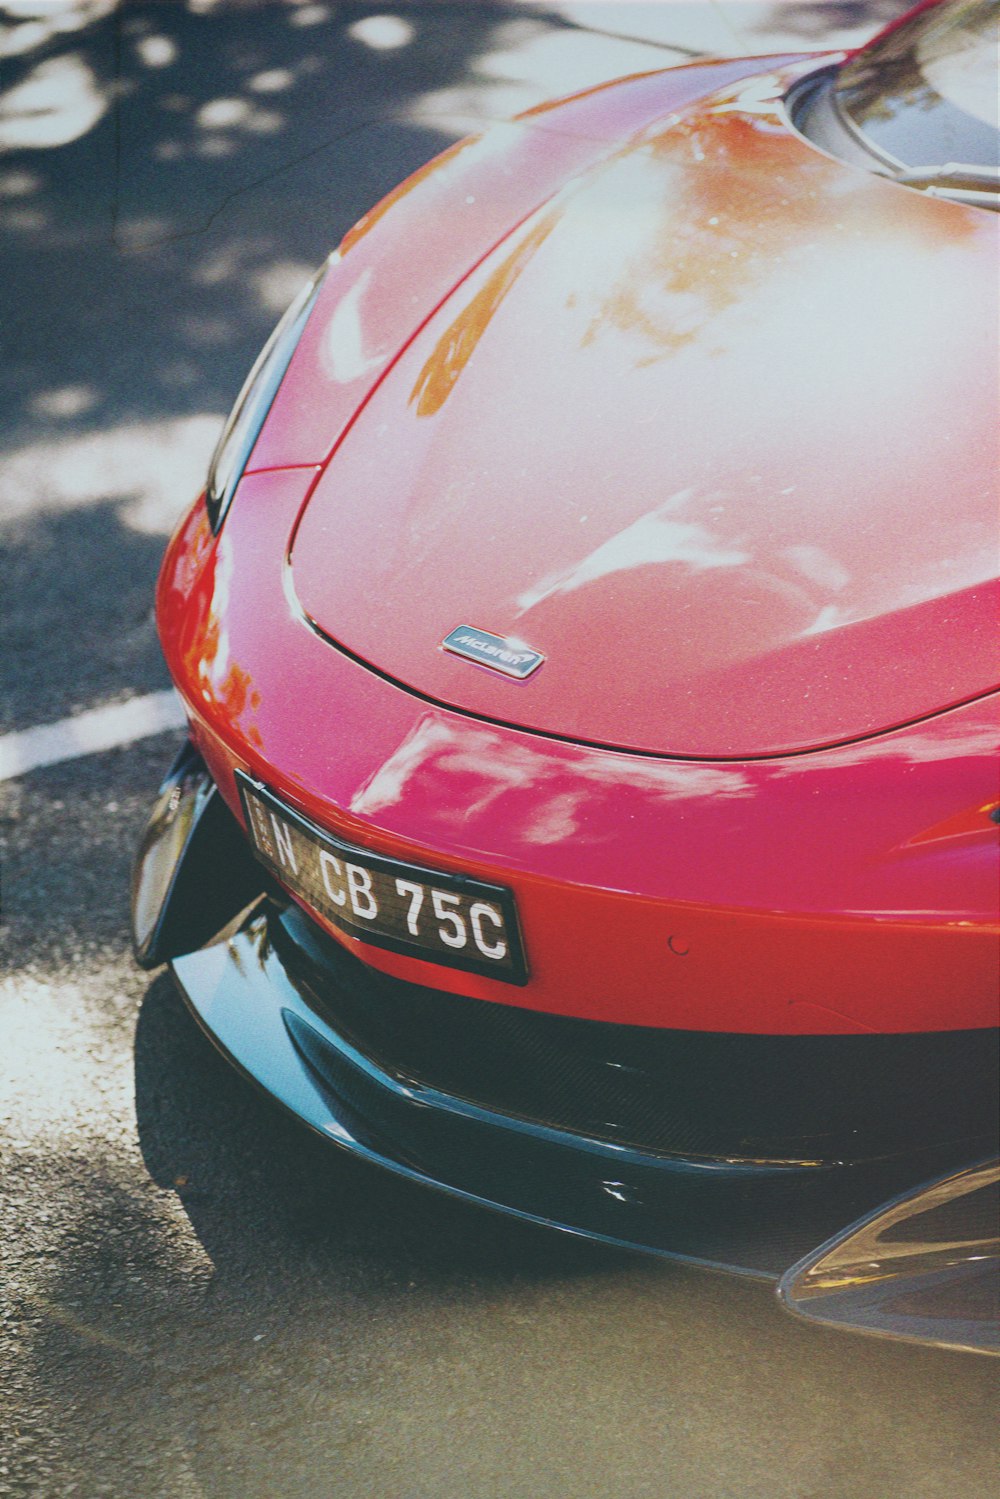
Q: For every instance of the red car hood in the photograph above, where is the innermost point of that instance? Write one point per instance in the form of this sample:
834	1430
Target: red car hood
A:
712	431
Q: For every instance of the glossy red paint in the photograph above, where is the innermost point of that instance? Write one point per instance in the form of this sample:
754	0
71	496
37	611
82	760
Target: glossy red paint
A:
753	406
407	255
682	433
846	890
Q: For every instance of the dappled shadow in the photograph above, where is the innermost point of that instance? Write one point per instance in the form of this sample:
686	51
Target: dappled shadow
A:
169	174
202	159
95	575
68	835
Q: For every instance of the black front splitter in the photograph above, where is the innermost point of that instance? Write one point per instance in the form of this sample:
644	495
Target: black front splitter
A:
754	1218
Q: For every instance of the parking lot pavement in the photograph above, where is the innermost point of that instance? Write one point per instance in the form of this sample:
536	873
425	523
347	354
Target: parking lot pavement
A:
197	1298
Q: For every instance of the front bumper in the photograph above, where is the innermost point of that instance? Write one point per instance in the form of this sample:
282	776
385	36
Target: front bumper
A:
848	891
327	1036
754	1217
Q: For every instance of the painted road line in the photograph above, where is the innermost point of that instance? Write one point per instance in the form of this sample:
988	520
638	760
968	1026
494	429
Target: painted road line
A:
89	733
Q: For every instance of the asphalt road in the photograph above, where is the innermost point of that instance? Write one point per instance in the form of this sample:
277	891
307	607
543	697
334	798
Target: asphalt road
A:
197	1298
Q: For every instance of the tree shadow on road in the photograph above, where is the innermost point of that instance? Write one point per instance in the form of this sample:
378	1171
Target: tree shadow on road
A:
171	173
95	574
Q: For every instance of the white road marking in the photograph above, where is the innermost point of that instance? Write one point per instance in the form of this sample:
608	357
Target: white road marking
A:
89	733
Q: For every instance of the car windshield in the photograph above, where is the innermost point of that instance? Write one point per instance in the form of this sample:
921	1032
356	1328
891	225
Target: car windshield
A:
924	92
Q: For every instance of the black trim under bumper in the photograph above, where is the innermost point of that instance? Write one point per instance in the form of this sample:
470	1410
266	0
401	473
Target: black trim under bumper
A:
756	1218
512	1109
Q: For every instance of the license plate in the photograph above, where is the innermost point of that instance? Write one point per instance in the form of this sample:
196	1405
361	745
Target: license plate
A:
444	918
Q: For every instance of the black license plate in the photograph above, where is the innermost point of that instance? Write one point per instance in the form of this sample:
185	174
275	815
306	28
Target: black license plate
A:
445	918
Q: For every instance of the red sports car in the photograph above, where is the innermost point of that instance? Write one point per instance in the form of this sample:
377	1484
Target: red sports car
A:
587	635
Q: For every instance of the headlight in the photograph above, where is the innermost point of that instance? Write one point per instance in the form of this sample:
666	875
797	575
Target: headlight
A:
254	401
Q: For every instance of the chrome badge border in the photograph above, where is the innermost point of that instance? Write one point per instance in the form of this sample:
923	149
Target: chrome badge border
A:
473	644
